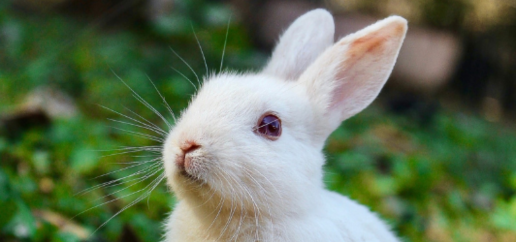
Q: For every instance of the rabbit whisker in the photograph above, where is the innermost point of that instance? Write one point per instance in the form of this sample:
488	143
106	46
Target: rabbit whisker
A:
164	100
139	148
131	166
232	209
150	107
240	220
185	77
221	205
118	181
152	189
200	48
256	210
138	180
186	63
214	192
241	211
194	184
139	126
158	154
141	135
110	201
154	127
142	101
272	185
133	151
150	149
243	215
225	43
255	129
149	123
154	184
266	195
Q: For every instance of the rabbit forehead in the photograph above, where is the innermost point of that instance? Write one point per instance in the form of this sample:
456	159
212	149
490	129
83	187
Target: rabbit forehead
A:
232	100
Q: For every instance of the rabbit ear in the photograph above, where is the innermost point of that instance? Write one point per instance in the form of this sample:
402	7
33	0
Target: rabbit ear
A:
347	77
300	45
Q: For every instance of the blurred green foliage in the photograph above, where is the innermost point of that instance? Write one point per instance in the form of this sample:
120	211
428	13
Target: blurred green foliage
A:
453	179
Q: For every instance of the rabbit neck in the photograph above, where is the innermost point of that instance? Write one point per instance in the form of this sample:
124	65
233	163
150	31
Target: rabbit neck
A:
233	219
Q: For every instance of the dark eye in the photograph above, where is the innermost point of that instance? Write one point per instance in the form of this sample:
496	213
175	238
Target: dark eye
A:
269	125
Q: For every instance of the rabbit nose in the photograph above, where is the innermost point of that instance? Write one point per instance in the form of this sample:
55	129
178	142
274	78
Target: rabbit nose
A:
183	160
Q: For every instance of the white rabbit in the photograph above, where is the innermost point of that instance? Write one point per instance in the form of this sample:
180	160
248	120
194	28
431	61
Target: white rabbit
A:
245	158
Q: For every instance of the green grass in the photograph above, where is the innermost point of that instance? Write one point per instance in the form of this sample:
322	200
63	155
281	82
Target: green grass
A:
451	180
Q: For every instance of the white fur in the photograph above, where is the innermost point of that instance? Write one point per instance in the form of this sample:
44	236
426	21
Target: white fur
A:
249	188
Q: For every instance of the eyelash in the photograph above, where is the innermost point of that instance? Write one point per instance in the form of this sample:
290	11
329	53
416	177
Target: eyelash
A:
269	126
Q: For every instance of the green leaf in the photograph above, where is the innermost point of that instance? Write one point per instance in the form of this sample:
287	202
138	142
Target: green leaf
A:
41	161
504	216
84	159
65	237
9	209
23	224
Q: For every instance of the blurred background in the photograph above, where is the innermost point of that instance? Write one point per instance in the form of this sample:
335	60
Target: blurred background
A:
435	155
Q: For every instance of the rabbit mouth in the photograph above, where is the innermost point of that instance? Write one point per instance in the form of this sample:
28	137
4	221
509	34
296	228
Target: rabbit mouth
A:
188	176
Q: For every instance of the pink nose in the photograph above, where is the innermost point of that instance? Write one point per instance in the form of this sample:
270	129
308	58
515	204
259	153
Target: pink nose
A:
182	161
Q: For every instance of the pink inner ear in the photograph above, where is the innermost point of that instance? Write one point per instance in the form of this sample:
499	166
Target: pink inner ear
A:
365	65
362	53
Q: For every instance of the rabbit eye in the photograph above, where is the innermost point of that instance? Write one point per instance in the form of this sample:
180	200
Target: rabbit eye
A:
269	125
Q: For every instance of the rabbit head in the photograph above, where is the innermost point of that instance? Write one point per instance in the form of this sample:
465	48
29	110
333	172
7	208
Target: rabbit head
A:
254	141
